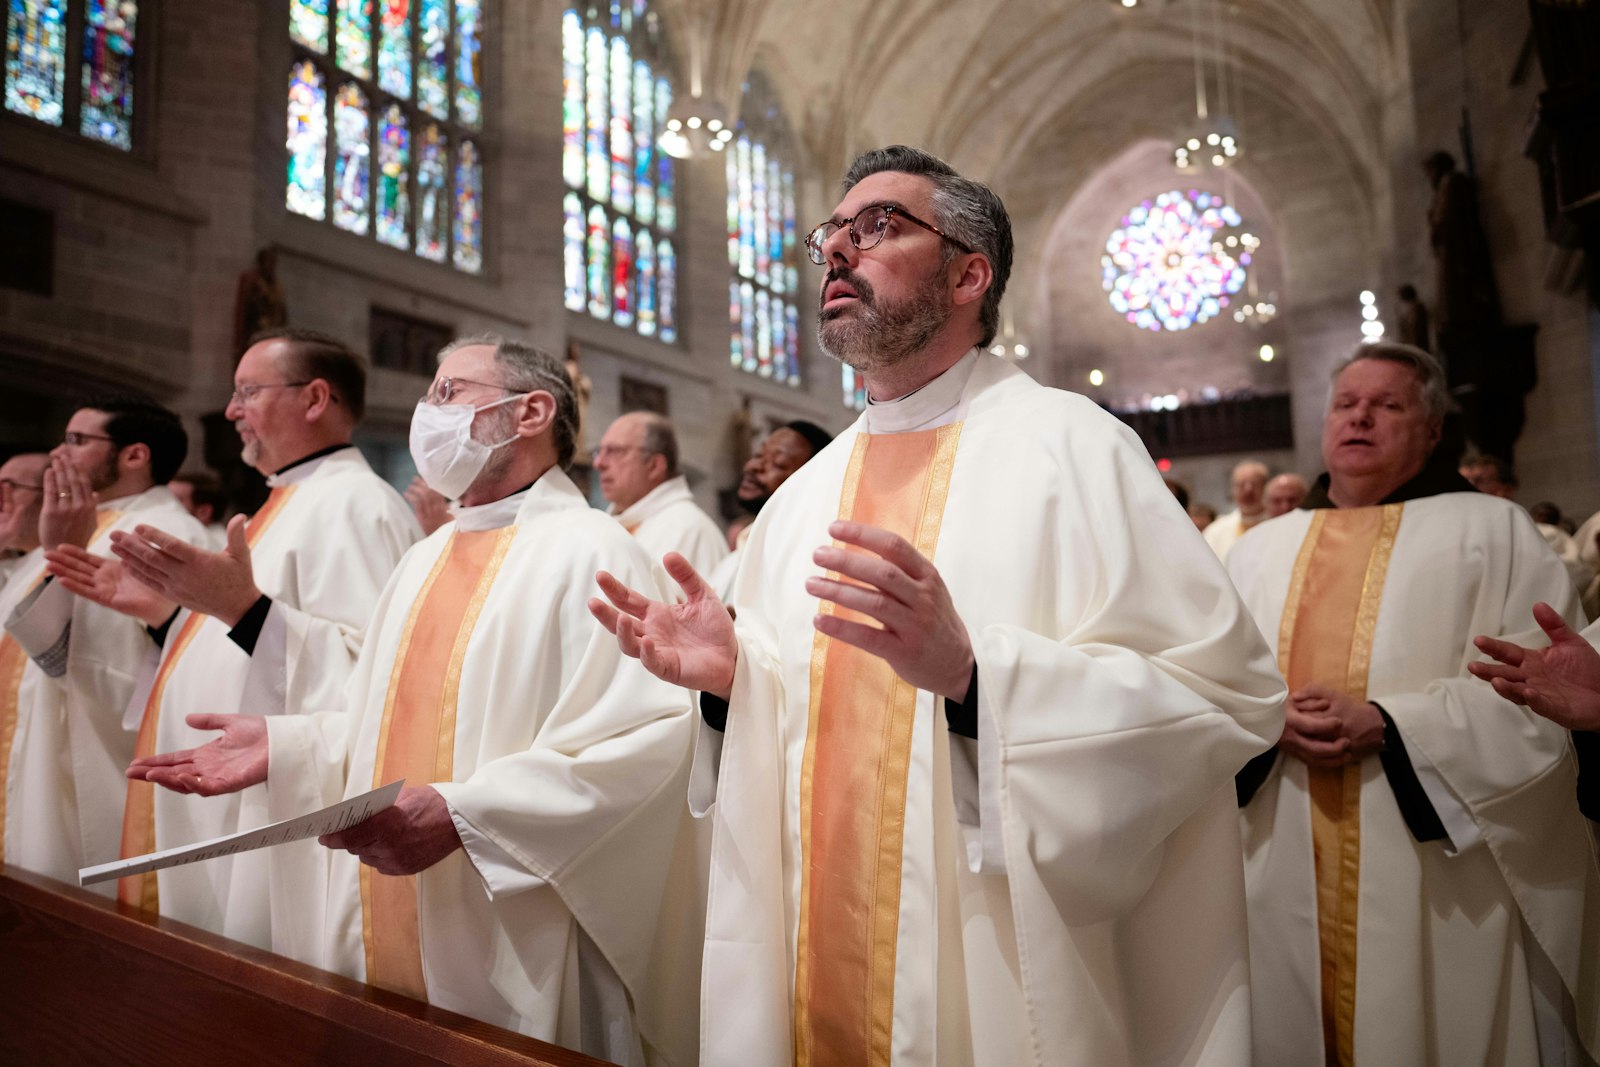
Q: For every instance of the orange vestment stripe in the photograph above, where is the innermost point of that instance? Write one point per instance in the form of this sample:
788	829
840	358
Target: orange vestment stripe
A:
13	664
139	809
416	740
1325	638
853	778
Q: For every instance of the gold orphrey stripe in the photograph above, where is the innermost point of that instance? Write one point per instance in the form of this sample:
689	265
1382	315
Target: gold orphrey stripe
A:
1325	638
416	739
139	808
853	778
13	665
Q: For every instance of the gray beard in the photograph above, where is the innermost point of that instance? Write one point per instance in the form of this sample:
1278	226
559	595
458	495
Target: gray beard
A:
251	453
874	336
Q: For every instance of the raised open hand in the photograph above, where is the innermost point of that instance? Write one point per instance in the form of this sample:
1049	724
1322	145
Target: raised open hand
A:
107	583
689	644
67	513
230	763
1561	682
220	584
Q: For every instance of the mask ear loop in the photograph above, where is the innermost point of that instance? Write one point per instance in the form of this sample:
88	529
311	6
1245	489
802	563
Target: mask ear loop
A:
497	403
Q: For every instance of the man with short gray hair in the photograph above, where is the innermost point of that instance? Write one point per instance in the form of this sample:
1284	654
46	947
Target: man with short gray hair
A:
518	877
1247	486
638	466
1426	825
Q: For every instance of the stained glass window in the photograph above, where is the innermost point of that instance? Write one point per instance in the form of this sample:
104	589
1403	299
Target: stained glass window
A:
1168	266
350	166
394	179
762	252
107	104
41	56
401	98
854	386
307	141
619	205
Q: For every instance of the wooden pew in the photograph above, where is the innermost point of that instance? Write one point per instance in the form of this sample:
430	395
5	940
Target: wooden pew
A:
84	979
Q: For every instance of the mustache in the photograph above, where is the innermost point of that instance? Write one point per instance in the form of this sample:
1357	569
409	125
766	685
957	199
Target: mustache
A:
855	281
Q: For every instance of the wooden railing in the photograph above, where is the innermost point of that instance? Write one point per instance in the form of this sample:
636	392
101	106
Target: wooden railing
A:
84	979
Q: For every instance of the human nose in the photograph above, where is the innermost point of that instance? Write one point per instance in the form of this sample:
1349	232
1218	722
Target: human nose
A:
840	244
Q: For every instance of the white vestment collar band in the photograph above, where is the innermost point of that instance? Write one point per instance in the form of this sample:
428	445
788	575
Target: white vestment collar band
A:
939	403
553	490
299	472
667	493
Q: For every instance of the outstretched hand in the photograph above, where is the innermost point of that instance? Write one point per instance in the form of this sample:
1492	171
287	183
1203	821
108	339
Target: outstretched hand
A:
1561	682
107	582
689	644
220	584
230	763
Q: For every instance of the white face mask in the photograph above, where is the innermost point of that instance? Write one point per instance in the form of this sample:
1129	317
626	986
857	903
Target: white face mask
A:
443	448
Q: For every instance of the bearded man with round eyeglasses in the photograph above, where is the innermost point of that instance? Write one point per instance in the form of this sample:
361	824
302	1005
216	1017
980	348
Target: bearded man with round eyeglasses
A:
967	753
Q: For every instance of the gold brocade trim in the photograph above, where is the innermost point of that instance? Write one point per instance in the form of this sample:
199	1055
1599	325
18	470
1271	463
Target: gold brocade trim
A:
138	811
445	752
808	763
383	734
1340	570
1297	585
855	768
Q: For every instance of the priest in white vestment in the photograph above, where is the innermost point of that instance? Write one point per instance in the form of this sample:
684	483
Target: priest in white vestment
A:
1247	486
65	780
637	462
21	500
272	623
522	886
1419	875
785	450
967	750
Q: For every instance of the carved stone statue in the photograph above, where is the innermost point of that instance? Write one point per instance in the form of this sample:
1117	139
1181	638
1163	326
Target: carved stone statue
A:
1465	300
1412	314
584	389
258	305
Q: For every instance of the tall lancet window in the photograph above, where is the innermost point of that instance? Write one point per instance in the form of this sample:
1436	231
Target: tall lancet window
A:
763	250
386	114
72	64
620	207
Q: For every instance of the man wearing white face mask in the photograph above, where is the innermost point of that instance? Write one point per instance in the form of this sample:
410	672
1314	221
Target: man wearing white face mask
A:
270	624
518	879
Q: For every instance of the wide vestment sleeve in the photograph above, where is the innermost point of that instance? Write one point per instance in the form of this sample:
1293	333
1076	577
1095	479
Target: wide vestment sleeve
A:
1513	770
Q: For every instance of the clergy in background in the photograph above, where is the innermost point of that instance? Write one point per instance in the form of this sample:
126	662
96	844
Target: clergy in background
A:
519	877
784	451
968	748
1247	487
271	623
71	741
637	462
1418	871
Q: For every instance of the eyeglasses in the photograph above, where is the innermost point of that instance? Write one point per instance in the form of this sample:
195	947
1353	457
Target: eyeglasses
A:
445	389
76	439
246	394
13	485
867	228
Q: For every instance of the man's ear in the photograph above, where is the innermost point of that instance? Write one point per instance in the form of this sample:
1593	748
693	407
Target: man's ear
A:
135	456
656	464
538	414
319	396
973	278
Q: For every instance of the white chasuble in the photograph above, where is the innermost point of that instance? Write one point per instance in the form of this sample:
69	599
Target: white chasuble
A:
85	663
45	742
666	519
563	764
322	547
1063	890
1370	947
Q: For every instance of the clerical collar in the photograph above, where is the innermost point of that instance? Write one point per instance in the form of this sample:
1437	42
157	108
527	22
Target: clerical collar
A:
303	460
493	515
1437	477
938	403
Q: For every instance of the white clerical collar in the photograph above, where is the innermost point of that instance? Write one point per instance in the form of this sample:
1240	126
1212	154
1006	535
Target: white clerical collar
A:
938	403
296	473
668	492
491	516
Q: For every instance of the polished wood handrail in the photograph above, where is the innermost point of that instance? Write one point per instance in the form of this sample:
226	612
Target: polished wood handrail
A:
84	979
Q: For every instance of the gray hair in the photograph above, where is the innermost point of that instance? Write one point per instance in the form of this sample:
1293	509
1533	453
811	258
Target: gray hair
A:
527	369
1430	373
660	439
967	210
